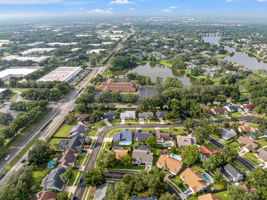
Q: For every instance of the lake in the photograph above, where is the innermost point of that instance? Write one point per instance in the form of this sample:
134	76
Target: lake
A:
239	58
156	71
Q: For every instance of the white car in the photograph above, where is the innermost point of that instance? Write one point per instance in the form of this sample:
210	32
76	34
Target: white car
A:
8	157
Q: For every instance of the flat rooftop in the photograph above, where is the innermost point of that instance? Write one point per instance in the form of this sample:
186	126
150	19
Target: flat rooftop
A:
20	71
61	74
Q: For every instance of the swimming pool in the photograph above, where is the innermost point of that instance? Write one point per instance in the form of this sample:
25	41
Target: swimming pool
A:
125	143
175	156
51	164
207	177
168	144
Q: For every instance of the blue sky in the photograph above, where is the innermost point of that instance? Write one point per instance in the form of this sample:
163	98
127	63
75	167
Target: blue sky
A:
257	8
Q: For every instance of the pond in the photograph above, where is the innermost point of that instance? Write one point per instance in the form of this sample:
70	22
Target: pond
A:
157	71
239	58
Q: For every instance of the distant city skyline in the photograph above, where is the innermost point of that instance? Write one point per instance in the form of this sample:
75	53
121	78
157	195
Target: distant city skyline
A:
27	8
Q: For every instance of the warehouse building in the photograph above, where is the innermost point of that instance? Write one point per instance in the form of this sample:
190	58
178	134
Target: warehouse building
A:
64	74
16	72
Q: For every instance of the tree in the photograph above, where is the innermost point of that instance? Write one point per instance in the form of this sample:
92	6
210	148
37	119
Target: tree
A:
229	153
130	98
40	153
168	196
188	123
118	191
5	118
191	154
121	62
151	141
94	177
88	140
237	193
213	162
218	178
107	160
63	195
126	160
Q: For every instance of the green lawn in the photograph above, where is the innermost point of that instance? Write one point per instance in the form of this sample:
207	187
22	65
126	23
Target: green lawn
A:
179	183
199	169
252	158
38	176
63	130
262	142
239	166
236	114
222	195
54	142
91	132
73	177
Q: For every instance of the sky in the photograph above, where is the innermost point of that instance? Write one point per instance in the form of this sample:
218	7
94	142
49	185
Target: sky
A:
26	8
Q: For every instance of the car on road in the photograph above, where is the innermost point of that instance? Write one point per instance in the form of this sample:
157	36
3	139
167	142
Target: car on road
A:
95	145
8	157
23	160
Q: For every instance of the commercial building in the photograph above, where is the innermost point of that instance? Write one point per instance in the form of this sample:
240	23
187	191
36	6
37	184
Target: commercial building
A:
16	72
26	58
64	74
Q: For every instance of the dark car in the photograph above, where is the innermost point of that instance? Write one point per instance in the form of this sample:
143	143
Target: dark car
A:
95	145
23	161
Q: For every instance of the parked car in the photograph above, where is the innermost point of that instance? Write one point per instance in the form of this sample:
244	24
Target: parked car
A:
8	157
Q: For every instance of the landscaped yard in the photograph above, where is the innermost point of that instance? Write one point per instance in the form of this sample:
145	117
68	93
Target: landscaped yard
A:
63	130
39	175
73	177
91	132
222	195
179	183
262	142
252	158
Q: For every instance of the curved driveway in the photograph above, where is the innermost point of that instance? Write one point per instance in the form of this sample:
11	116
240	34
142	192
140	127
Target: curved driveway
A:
93	157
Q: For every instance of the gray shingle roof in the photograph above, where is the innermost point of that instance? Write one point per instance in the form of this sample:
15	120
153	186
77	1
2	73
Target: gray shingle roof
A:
140	136
78	129
53	179
124	135
142	156
232	171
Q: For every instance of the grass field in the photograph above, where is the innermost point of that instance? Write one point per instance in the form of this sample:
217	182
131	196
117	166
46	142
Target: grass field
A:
252	158
63	130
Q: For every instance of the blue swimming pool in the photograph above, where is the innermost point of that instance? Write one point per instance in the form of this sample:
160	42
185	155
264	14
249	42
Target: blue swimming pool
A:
51	164
207	177
175	156
168	144
125	143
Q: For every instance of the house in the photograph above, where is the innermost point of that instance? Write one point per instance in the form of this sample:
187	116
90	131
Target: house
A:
140	136
162	137
101	192
208	197
249	143
248	107
232	174
170	164
232	108
194	180
143	198
161	114
146	115
109	115
183	141
206	152
54	180
142	157
262	154
67	159
119	153
78	129
219	111
83	118
123	137
117	86
227	133
45	195
4	92
246	128
128	115
76	143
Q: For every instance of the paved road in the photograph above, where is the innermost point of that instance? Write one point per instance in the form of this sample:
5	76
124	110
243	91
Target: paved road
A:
243	161
94	154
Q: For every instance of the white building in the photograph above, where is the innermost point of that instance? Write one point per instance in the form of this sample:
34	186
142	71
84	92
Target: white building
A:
16	72
36	50
26	58
64	74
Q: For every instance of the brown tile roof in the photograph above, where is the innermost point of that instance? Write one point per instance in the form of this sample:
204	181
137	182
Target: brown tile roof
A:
171	164
263	154
117	86
206	151
247	128
219	111
68	158
193	179
184	141
249	143
164	136
208	197
46	195
120	153
248	106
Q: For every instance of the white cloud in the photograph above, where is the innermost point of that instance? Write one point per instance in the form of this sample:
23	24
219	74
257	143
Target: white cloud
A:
173	7
121	2
101	11
132	9
167	10
29	1
262	0
229	1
